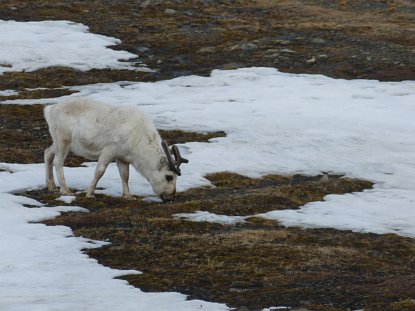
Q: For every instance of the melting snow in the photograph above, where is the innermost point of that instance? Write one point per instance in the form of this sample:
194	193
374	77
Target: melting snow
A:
31	46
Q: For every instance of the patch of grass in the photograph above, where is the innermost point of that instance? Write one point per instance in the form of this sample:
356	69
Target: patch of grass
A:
57	77
403	305
39	93
181	137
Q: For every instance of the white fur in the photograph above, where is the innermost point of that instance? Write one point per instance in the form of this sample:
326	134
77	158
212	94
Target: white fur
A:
98	131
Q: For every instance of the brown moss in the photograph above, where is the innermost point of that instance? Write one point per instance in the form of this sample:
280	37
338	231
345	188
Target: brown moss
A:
181	137
352	29
255	264
38	94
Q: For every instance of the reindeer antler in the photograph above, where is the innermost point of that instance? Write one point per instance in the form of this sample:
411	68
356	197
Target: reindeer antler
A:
174	165
178	157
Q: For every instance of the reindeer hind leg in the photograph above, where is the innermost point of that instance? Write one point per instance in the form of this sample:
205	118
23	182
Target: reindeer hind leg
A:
49	157
61	152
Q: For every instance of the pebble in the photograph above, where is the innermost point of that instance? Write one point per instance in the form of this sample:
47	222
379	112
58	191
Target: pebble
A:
311	60
143	49
275	55
248	46
207	49
148	3
170	11
288	51
272	51
318	41
324	179
282	42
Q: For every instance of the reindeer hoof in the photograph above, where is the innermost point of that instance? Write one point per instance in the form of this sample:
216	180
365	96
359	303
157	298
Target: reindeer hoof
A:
66	192
52	189
90	196
129	197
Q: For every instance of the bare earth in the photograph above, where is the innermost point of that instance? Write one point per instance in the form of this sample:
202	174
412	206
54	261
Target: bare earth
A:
259	263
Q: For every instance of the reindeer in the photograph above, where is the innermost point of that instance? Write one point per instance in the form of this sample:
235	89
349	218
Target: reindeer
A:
98	131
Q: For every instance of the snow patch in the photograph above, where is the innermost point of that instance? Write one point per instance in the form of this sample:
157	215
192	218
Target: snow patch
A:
6	93
29	46
360	128
203	216
68	199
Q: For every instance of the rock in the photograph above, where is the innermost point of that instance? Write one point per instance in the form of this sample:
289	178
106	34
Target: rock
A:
311	60
275	55
272	51
170	11
282	42
207	50
288	51
318	41
13	8
148	3
324	179
246	47
143	49
322	56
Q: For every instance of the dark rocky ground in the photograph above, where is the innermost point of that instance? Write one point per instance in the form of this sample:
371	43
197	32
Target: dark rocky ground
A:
259	263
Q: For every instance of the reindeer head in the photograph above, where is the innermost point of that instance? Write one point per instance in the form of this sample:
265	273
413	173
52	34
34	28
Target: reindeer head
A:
166	185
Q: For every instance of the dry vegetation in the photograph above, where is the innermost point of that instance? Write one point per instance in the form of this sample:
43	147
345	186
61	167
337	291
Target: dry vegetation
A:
259	263
255	264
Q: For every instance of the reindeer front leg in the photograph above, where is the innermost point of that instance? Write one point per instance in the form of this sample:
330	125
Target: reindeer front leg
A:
103	161
123	169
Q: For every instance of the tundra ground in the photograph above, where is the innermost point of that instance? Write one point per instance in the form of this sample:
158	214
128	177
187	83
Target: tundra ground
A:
258	263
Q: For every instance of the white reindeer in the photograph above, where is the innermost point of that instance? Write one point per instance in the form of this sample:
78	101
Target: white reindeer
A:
97	131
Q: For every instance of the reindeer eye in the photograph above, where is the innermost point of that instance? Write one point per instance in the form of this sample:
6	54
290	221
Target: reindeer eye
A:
169	178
